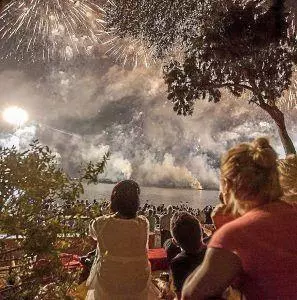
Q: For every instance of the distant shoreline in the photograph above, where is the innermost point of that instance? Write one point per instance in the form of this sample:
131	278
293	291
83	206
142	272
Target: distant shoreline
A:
163	186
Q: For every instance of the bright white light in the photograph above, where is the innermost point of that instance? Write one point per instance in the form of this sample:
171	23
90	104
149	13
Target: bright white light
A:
15	115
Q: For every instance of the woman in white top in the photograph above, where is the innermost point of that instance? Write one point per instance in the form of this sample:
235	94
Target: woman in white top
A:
122	270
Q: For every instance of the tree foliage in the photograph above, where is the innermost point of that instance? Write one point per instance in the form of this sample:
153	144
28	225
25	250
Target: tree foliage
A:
238	52
244	50
35	197
239	46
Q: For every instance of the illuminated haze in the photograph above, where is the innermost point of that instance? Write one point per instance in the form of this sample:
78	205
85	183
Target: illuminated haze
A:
85	108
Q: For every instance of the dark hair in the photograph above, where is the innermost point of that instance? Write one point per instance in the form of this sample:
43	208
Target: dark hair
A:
186	230
125	199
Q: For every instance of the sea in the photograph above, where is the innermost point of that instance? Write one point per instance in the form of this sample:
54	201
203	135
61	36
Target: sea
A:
158	195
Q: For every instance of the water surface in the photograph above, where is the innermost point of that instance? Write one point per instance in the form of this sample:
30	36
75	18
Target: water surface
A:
156	195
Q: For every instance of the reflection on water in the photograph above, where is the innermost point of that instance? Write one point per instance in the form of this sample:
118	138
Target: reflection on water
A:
154	195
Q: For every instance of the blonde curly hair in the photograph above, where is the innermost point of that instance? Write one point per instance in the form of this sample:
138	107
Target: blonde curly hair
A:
252	172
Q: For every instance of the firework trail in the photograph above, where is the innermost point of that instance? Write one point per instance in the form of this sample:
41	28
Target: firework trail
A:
123	39
53	29
144	32
42	125
127	51
49	29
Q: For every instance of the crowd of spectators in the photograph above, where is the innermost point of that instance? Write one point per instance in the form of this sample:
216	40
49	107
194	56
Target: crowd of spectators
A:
245	247
158	216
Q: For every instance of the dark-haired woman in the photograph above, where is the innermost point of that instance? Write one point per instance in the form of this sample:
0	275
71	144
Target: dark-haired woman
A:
122	270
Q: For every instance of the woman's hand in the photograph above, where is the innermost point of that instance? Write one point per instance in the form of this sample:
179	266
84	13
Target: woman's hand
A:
221	215
208	229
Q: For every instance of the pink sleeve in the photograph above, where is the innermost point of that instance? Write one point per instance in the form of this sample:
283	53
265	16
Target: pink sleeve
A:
228	238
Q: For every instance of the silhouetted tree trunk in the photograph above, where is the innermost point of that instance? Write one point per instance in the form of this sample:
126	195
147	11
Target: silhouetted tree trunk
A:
279	119
275	113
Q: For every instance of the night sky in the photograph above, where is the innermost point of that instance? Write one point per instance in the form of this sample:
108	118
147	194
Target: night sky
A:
90	104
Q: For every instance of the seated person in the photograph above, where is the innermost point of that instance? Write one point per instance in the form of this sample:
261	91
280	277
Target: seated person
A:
207	211
122	269
186	233
165	225
172	249
152	220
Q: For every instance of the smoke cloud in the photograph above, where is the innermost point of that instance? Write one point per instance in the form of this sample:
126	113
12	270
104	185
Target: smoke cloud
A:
85	108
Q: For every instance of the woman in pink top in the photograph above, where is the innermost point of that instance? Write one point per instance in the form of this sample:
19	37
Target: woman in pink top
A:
258	250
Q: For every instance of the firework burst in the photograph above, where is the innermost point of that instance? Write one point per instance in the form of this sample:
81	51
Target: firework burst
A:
143	32
49	29
127	51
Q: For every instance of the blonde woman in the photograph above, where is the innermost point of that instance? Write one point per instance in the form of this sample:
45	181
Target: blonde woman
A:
257	250
288	177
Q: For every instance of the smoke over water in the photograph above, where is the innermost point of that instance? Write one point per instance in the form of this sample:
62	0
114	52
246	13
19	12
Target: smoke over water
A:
85	109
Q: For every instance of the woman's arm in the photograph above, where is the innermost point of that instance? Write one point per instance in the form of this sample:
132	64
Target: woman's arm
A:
92	230
216	273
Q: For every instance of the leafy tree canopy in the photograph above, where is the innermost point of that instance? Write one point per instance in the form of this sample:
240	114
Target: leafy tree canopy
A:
36	197
237	51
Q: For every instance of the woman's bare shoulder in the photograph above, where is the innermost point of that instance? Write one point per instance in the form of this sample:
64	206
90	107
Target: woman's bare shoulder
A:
142	219
99	221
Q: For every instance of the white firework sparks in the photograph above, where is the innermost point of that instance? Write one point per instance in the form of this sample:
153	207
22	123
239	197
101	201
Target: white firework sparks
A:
49	29
128	51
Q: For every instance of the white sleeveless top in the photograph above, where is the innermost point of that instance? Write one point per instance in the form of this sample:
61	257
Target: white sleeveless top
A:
122	270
